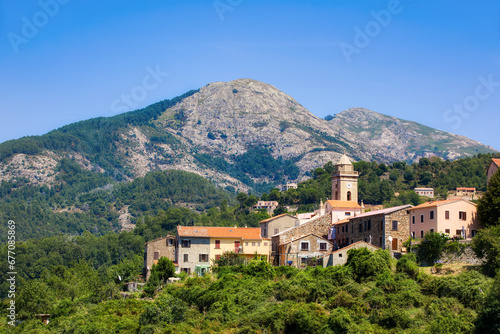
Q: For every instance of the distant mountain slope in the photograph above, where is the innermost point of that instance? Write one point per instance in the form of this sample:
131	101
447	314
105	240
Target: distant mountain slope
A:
240	134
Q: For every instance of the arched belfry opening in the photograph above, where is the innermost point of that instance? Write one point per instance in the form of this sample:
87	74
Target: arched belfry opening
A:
349	196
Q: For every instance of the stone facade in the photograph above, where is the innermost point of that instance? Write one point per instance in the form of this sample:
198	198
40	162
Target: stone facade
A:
345	181
276	225
303	251
319	226
386	228
193	252
153	250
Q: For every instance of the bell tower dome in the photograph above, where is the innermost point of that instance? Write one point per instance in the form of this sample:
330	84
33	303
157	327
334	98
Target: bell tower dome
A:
345	181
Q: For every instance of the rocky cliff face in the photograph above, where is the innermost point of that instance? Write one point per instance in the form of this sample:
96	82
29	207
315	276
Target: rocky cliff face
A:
225	119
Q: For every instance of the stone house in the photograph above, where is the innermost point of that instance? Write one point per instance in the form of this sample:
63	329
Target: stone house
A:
319	226
277	224
453	217
339	257
304	251
154	249
492	168
385	228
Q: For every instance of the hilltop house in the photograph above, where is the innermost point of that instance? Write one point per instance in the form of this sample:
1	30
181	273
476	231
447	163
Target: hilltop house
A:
199	246
453	217
269	206
385	228
426	192
154	249
492	168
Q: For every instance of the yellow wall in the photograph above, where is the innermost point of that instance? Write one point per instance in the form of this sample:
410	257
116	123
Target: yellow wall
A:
249	247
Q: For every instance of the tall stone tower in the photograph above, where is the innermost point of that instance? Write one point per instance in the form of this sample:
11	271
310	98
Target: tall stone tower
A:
345	181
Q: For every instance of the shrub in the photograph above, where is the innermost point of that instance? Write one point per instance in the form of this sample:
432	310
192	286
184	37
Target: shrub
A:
431	248
366	264
407	264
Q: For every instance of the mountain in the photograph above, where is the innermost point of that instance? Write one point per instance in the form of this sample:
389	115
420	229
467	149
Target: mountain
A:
240	134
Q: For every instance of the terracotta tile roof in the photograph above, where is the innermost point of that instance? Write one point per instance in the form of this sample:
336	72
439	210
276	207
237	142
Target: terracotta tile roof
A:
343	204
250	233
496	162
463	188
382	211
438	203
275	217
343	221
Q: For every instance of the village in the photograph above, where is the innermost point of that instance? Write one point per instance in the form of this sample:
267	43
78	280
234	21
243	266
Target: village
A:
322	237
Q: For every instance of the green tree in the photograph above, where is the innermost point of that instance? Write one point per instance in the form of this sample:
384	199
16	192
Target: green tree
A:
431	248
165	269
486	245
488	208
488	320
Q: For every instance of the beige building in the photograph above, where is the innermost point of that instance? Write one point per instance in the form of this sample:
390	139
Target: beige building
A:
269	206
304	251
426	192
492	168
453	217
154	249
277	224
339	257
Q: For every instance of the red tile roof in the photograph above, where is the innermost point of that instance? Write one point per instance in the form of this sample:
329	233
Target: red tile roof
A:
343	204
250	233
275	217
438	203
496	162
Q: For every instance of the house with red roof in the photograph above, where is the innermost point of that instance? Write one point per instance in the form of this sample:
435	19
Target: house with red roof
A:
453	217
199	246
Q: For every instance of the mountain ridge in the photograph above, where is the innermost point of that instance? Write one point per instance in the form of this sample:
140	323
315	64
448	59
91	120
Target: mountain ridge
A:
228	121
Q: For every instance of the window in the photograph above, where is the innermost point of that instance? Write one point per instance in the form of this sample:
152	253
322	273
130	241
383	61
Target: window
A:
421	218
380	242
421	233
360	227
413	219
369	224
217	244
258	244
365	225
447	231
276	230
381	226
253	243
170	242
432	230
322	246
186	270
431	214
304	246
473	233
349	196
347	241
413	234
156	255
186	258
203	257
394	225
217	257
264	233
303	260
459	232
340	254
447	214
342	229
186	243
347	213
462	215
246	243
265	244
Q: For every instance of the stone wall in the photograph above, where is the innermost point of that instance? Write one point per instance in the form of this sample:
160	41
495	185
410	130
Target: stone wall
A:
319	226
291	252
164	247
198	246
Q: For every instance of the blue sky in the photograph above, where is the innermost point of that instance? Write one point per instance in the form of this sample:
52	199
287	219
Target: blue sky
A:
434	62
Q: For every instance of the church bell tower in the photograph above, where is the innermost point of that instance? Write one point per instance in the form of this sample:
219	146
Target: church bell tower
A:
345	181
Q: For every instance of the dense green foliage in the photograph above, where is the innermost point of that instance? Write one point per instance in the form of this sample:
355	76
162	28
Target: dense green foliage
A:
86	201
488	208
486	244
260	298
431	247
255	163
94	138
379	182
